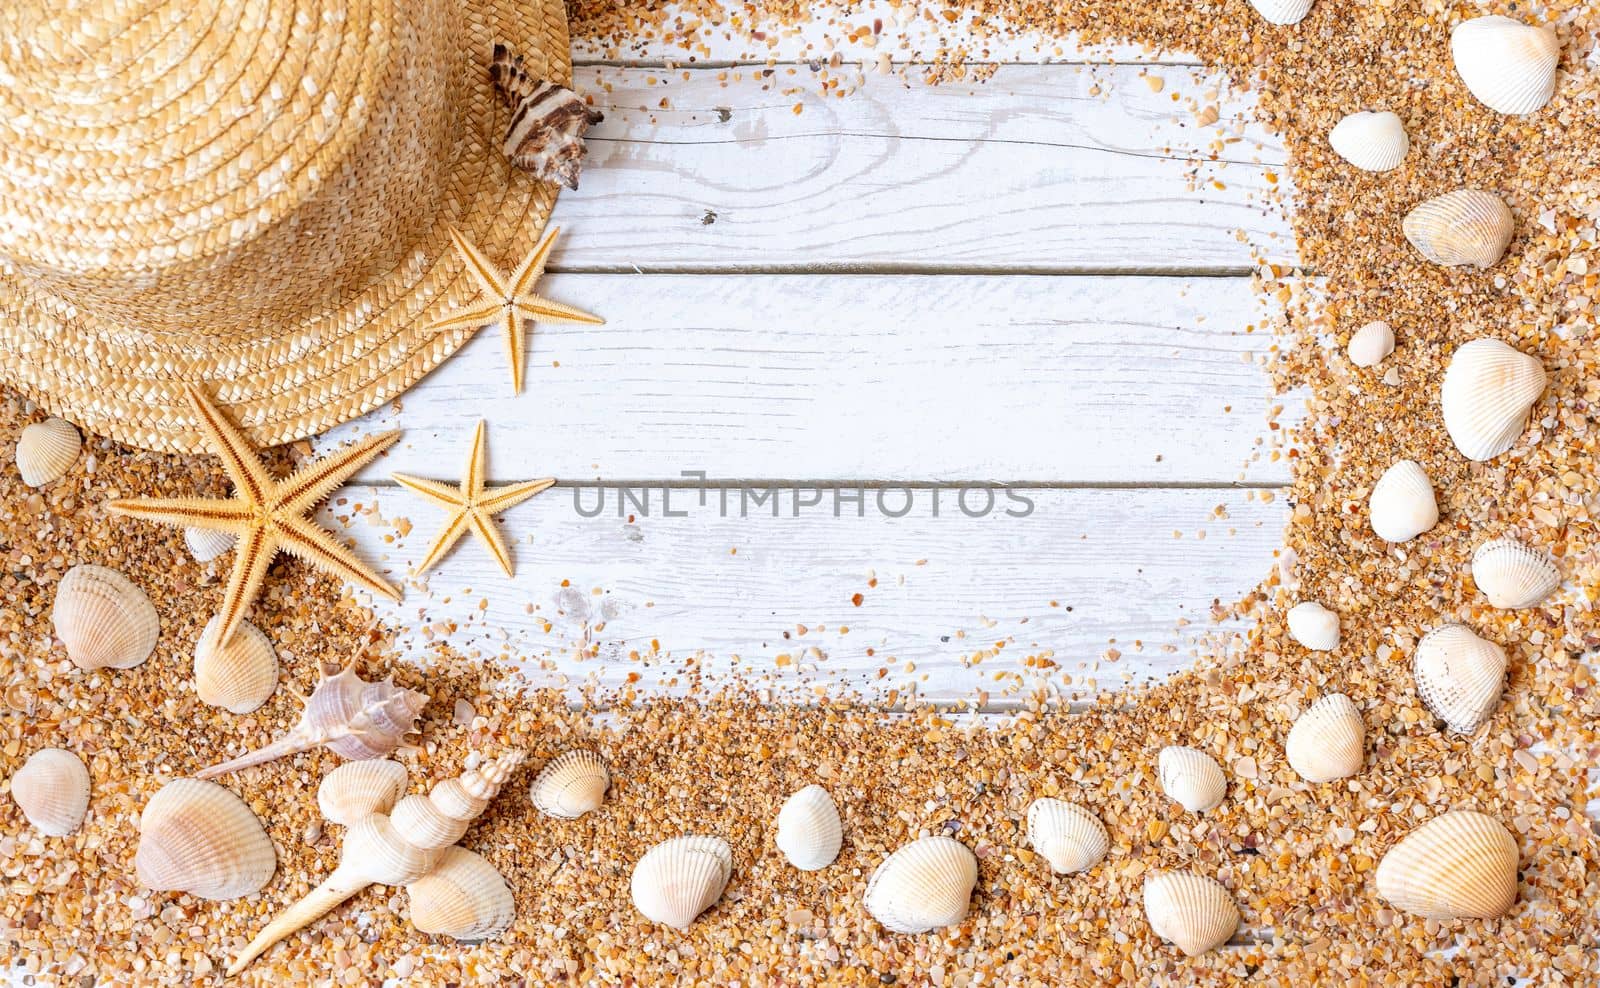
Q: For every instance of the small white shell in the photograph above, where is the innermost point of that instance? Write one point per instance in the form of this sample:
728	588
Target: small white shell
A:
1282	11
1373	141
46	451
1512	575
925	885
1486	394
1402	506
198	837
103	619
359	789
1194	912
1462	865
809	831
1328	740
1191	777
1459	676
1467	226
1370	344
52	789
462	897
1508	65
572	784
240	675
1067	835
681	878
206	545
1314	626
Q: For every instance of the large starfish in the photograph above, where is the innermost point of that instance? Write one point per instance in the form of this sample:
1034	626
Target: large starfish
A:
509	302
471	505
267	516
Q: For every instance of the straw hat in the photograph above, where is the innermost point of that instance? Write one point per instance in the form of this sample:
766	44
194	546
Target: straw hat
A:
252	195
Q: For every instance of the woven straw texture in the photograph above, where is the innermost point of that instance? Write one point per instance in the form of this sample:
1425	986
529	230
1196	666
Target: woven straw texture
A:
253	196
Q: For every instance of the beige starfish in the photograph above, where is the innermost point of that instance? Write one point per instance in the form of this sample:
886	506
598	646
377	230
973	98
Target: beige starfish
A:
267	516
510	302
472	505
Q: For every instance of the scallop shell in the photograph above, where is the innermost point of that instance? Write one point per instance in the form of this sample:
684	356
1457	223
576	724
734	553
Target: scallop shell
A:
1194	912
206	545
46	451
572	784
1327	741
52	789
1191	777
1486	395
359	789
1314	626
1372	140
1370	344
103	619
1462	227
925	885
240	675
809	832
1459	676
1508	65
1512	575
198	837
462	897
1462	865
1402	506
681	878
1067	835
1282	11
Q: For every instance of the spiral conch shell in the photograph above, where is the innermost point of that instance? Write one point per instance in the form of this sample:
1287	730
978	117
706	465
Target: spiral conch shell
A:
1459	676
198	837
462	897
1401	505
1373	141
46	451
1467	226
359	789
1314	626
572	784
1508	65
1282	11
1513	575
809	830
238	676
103	619
925	885
52	789
1486	395
1067	835
681	878
1462	865
1191	777
1194	912
1328	740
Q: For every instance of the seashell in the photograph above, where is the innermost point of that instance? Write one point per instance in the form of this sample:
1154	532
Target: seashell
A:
925	885
1459	676
52	789
240	675
1194	912
103	619
572	784
462	897
1401	505
681	878
359	789
1512	575
46	451
1314	626
1067	835
1486	395
198	837
1191	777
1327	741
1508	65
1462	865
1372	140
548	121
1462	227
1370	344
345	714
1282	11
206	545
809	832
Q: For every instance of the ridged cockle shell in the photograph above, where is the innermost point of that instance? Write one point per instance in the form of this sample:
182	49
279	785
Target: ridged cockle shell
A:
1327	741
572	784
238	676
681	878
1370	344
809	831
1314	626
925	885
1401	505
1485	397
1068	835
46	451
1468	226
1373	141
1508	65
359	789
1459	676
463	896
52	789
103	619
1194	912
1282	12
198	837
1462	865
1191	777
1513	575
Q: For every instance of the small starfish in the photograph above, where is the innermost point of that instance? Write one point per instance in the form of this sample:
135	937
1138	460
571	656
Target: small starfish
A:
472	505
510	302
267	516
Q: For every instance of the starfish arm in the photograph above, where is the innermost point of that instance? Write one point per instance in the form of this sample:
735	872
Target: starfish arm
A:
536	307
531	269
251	556
475	316
215	514
477	461
305	539
239	459
451	534
500	499
432	491
309	485
483	272
483	526
512	329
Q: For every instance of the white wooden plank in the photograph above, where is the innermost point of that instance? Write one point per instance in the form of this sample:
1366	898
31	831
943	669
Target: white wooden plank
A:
1059	379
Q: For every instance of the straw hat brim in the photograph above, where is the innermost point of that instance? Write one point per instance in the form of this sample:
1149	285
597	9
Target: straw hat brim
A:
127	383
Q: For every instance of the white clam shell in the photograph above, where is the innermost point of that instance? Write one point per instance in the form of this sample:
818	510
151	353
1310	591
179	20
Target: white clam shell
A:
1402	506
1314	626
52	789
1486	395
1513	575
1372	140
1467	226
1328	740
206	545
1067	835
1191	911
462	897
238	676
1370	344
46	451
1461	865
1508	65
1282	11
681	878
925	885
1191	777
103	619
809	832
198	837
571	784
359	789
1459	676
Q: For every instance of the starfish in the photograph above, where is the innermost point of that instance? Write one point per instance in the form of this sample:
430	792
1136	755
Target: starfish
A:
510	302
471	505
267	516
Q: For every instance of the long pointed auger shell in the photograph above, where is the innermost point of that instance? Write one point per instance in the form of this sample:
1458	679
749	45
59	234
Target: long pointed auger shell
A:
1486	395
1402	505
1467	226
571	784
1328	740
1462	865
1067	835
359	789
462	897
198	837
103	619
681	878
1513	575
925	885
46	451
1508	65
238	676
1194	912
1373	141
1191	777
1459	676
809	831
52	789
